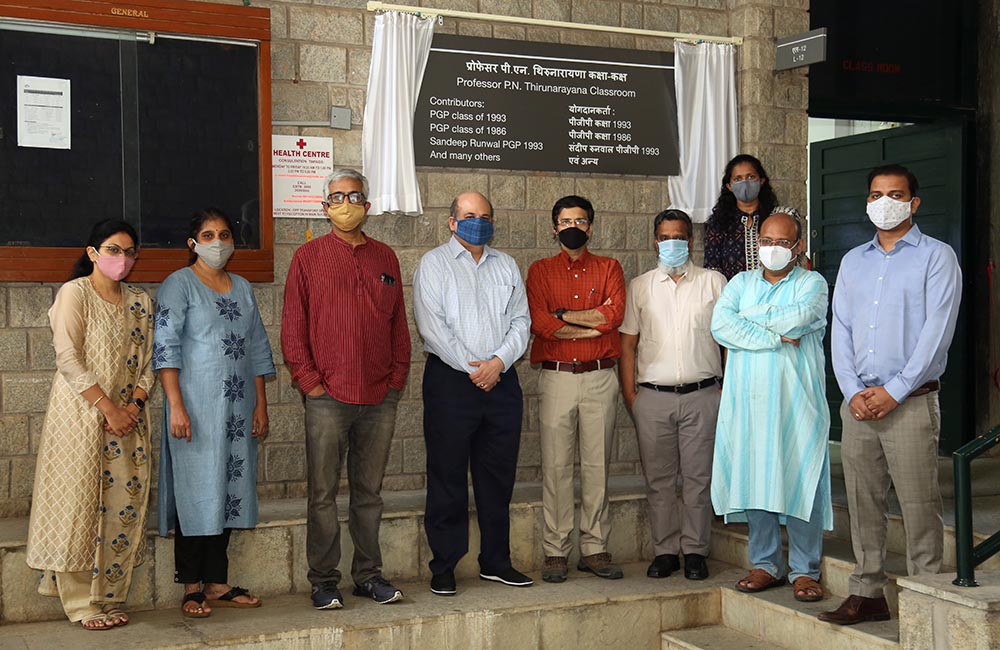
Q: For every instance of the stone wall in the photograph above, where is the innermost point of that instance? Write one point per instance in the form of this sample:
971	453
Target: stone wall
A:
320	58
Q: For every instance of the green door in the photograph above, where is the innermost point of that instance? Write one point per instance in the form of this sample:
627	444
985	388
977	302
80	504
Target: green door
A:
838	176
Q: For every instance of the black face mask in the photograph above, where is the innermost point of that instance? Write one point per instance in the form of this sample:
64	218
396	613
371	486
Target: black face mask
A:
573	238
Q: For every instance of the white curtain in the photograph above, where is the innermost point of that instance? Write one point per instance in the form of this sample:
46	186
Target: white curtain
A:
399	55
707	124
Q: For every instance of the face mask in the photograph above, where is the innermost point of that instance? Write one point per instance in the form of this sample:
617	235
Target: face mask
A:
775	258
475	231
573	238
746	191
887	213
115	268
346	216
216	254
673	252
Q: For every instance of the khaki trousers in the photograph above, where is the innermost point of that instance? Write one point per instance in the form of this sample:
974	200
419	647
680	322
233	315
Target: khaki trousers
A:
677	438
74	593
901	448
586	402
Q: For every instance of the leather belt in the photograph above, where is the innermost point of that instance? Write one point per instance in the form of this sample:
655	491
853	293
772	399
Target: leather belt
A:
576	367
929	387
683	388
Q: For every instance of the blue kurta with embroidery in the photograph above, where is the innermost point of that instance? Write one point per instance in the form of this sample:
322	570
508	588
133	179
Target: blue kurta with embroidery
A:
218	344
771	442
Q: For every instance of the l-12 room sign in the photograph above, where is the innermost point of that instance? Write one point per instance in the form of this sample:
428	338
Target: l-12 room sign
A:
500	104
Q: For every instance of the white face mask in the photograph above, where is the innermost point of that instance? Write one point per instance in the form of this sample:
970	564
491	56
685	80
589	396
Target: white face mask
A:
216	254
887	213
775	258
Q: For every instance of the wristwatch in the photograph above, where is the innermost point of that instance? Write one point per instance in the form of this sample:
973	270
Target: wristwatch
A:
138	402
560	312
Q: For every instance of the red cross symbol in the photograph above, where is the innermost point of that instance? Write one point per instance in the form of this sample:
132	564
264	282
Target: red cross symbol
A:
301	143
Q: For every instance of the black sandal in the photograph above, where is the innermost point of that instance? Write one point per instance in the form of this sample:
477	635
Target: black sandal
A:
198	597
228	599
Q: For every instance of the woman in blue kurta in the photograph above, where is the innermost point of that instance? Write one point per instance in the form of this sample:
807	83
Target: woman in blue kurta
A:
212	354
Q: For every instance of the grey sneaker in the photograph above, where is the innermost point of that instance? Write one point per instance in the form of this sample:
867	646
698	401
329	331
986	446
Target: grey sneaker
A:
555	569
378	589
600	565
326	596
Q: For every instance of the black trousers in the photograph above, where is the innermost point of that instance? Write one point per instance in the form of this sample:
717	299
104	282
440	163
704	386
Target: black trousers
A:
201	558
465	426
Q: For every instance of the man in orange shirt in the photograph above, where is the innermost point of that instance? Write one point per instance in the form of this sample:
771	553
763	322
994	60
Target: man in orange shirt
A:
577	302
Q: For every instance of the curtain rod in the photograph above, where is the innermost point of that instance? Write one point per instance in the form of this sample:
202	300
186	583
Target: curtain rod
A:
374	5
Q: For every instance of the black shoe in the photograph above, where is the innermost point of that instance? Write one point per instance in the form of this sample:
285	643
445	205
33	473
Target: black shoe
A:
663	566
443	584
378	589
326	596
510	576
695	567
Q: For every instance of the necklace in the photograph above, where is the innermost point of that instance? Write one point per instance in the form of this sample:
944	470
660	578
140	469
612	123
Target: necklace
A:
750	244
114	299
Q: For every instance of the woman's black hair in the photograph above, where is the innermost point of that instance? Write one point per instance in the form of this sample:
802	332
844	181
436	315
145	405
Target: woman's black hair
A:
725	211
198	219
98	235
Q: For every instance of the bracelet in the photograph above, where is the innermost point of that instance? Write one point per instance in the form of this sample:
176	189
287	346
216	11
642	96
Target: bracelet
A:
98	401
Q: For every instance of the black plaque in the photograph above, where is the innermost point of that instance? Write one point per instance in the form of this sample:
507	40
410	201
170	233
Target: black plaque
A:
499	104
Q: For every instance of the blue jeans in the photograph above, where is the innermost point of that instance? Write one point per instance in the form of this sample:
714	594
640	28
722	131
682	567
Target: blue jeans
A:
805	543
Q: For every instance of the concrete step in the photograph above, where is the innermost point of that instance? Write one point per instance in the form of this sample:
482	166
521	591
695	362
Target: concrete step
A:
583	613
712	637
776	617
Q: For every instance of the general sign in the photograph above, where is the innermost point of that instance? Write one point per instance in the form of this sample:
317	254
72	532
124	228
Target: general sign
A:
499	104
299	165
801	49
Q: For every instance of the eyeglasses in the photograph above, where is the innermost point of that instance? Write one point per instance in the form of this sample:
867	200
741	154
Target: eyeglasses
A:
354	198
579	223
118	251
784	243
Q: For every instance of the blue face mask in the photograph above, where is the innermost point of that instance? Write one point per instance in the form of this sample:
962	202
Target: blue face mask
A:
475	231
673	252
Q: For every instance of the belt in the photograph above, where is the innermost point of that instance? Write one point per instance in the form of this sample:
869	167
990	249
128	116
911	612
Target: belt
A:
683	388
576	367
929	387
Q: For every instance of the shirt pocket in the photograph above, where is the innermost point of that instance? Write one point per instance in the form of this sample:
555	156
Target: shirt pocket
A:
498	297
701	316
383	295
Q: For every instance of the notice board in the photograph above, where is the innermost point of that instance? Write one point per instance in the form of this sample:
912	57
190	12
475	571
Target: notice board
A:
166	117
501	104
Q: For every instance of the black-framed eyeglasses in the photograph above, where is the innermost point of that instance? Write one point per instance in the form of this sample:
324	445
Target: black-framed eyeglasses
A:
582	222
118	251
784	243
354	198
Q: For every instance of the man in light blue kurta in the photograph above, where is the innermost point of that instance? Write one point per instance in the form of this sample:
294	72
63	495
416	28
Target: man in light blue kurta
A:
771	461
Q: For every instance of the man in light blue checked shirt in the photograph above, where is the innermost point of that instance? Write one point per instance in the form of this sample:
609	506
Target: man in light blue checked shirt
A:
471	309
894	311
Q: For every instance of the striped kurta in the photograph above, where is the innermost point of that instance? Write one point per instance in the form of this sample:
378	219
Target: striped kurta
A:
771	444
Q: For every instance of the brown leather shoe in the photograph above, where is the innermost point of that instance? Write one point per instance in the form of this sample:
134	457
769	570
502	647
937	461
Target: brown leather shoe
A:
857	609
555	569
600	565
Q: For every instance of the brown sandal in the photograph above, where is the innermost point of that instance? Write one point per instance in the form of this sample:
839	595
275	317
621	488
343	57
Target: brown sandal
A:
811	590
762	579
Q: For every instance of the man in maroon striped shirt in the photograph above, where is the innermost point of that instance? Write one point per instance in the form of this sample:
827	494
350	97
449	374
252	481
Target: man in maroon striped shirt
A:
345	339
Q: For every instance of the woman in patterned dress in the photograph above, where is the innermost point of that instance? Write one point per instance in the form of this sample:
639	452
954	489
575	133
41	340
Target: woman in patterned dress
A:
212	355
89	503
745	199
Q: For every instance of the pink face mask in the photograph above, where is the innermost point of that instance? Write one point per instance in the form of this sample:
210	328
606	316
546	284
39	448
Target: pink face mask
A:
115	268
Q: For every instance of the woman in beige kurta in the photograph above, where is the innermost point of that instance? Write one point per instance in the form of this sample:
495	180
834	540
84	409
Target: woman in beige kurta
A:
90	499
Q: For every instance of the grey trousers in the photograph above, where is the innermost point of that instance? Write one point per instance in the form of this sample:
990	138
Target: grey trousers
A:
901	448
677	437
362	433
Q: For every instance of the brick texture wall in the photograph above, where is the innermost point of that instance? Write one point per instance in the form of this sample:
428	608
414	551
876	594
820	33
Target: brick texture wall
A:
320	58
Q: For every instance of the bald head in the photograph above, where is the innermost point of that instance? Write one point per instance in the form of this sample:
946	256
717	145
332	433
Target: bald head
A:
471	204
781	225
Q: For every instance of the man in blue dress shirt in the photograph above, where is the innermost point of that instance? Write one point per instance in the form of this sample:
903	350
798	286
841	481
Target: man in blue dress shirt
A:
471	308
894	311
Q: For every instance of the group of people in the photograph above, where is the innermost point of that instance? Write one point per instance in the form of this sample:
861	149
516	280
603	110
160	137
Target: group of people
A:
722	368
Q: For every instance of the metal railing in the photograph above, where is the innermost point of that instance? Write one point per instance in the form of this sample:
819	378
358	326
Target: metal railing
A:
967	556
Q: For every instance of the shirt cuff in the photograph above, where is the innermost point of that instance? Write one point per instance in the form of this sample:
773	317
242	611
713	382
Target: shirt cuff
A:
897	389
309	381
547	328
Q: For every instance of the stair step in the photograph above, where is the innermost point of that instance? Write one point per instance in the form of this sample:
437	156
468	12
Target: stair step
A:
776	617
712	637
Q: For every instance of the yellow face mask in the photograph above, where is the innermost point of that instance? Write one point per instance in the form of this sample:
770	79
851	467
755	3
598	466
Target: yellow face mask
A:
346	216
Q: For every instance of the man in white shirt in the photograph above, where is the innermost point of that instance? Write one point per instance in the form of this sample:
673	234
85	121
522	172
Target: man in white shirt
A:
667	322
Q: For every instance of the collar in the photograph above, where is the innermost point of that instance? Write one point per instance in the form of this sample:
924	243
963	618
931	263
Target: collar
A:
794	273
661	274
564	258
912	237
455	249
337	240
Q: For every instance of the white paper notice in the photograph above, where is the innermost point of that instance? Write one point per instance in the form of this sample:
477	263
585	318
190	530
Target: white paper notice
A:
299	165
43	112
